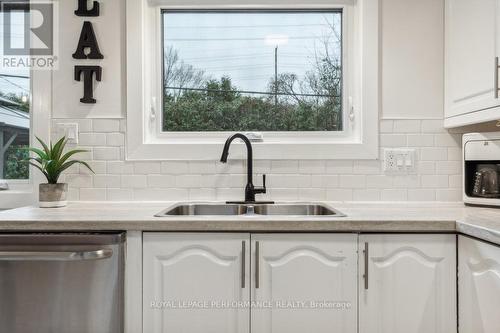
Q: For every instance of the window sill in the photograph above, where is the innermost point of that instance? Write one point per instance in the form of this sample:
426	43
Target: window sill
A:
262	151
16	198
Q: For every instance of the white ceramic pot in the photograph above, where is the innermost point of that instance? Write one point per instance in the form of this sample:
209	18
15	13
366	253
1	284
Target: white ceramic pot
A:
53	195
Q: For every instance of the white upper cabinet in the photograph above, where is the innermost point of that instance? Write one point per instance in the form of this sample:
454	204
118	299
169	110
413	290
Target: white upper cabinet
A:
304	270
471	76
188	272
479	286
407	284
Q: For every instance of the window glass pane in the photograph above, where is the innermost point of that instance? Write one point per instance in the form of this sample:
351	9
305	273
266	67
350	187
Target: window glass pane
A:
252	71
14	110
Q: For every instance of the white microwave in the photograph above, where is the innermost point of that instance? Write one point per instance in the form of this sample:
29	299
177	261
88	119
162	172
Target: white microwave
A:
481	169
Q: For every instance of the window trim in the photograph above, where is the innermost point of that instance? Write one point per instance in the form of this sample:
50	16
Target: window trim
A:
144	142
25	192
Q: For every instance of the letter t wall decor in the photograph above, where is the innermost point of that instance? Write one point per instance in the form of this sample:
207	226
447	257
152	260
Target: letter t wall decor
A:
87	48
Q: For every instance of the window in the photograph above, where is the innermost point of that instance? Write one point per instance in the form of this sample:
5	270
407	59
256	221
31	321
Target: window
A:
14	125
14	110
305	74
252	71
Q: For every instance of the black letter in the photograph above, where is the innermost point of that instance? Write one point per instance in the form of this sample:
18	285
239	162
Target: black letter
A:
88	71
83	11
87	40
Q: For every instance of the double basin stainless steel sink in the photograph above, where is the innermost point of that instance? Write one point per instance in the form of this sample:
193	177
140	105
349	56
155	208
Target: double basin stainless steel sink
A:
277	209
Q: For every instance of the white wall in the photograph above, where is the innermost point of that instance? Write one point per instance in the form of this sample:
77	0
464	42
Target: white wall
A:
412	112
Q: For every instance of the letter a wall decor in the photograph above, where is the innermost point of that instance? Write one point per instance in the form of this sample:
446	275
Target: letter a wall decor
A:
88	48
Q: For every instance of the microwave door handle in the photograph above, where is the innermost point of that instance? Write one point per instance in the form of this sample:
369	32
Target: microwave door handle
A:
55	255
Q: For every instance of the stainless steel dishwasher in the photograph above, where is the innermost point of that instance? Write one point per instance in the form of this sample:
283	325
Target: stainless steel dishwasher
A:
61	283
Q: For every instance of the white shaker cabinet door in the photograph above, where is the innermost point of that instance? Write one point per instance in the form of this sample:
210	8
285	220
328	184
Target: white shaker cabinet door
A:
472	44
479	286
407	283
295	274
193	283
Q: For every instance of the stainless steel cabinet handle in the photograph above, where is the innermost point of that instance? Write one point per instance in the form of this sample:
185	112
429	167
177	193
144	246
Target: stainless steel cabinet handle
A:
243	255
365	276
497	64
55	255
257	268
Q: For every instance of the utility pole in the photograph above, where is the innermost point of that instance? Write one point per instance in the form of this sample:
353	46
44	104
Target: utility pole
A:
276	75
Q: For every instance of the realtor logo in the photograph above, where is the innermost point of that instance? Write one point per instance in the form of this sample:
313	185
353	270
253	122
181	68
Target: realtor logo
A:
29	34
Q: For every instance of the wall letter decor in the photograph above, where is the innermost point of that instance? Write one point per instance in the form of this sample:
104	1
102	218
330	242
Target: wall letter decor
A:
88	87
83	11
87	40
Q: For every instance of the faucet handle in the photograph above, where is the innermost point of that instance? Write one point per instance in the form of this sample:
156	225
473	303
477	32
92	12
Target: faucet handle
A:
263	188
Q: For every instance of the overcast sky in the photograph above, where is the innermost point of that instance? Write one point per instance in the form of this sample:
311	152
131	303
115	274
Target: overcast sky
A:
241	45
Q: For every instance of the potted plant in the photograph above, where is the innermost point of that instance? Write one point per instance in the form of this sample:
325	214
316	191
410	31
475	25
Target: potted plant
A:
52	161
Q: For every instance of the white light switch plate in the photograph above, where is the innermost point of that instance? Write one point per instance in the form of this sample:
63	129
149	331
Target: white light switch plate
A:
400	160
70	131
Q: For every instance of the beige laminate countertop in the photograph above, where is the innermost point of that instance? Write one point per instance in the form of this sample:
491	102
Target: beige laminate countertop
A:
483	223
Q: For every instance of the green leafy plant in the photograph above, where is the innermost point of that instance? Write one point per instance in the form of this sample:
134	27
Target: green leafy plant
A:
52	161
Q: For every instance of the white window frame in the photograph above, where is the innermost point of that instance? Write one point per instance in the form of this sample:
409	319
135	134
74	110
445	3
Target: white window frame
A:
25	192
358	140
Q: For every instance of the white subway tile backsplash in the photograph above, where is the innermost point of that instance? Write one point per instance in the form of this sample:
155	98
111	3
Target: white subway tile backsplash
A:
448	167
115	139
393	140
201	167
455	154
437	175
407	126
188	181
120	167
434	154
312	194
175	167
386	126
367	167
107	181
161	181
448	140
426	167
339	194
145	168
92	194
200	194
435	181
449	194
339	167
456	181
420	140
352	181
106	153
148	194
106	125
119	194
134	181
433	126
289	181
324	181
92	139
421	195
313	166
285	166
394	195
366	195
379	181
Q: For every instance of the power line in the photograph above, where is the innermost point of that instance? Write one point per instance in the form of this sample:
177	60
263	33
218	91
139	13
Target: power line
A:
12	83
15	76
231	39
249	92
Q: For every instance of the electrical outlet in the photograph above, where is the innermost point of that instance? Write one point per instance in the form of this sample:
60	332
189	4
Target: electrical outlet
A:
70	131
399	161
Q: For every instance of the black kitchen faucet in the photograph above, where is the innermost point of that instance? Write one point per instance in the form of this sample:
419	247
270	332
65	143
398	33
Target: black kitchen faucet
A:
250	189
